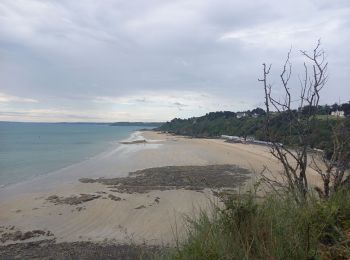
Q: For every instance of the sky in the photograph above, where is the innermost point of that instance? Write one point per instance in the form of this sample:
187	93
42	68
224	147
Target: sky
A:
153	60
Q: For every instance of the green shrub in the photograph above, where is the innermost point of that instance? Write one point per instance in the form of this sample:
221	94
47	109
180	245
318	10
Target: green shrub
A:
274	228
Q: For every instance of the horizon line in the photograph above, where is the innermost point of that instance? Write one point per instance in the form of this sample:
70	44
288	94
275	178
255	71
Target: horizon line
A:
81	122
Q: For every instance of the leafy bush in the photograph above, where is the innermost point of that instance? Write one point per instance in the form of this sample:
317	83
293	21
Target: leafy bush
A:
274	228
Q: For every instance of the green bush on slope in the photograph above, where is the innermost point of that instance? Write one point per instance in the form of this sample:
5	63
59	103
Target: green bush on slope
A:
275	228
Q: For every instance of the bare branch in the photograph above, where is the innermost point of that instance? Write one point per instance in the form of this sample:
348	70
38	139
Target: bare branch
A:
294	154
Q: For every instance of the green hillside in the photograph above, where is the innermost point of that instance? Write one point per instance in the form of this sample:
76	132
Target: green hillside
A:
215	124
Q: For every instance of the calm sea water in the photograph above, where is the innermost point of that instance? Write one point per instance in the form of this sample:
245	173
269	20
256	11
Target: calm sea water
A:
32	149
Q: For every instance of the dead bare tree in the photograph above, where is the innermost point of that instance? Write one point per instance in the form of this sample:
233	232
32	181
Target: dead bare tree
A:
297	115
300	116
335	162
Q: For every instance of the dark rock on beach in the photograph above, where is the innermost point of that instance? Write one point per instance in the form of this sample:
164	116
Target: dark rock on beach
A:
177	177
20	236
48	249
72	200
113	197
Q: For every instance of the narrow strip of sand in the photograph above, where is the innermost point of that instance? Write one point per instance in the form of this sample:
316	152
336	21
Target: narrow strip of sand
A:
61	208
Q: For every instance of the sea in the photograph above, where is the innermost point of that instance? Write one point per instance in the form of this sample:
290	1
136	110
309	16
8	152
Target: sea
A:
28	150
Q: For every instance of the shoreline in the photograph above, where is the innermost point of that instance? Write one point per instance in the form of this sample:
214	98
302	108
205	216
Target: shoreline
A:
40	156
52	176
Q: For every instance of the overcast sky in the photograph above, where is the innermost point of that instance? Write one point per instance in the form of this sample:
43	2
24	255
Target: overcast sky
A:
153	60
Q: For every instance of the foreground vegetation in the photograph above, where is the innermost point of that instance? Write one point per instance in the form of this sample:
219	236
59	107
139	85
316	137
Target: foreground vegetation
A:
274	228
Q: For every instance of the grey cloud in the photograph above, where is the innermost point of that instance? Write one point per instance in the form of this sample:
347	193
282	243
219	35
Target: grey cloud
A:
179	104
69	52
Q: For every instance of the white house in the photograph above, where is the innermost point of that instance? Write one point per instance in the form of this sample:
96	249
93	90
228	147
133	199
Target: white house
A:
241	114
338	113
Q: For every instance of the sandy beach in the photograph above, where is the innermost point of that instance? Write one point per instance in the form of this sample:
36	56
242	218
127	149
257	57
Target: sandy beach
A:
85	202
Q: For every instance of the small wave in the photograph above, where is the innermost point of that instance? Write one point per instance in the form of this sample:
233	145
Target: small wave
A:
135	136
